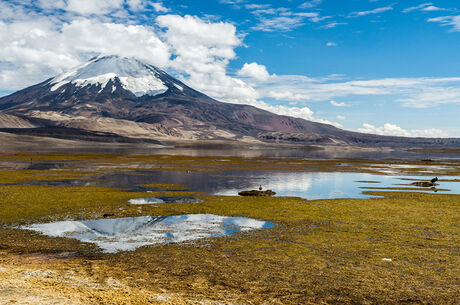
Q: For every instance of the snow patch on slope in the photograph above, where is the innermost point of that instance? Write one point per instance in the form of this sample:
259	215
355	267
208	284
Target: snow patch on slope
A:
134	76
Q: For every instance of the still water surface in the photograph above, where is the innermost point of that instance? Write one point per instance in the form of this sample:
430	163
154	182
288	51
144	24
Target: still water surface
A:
308	185
129	233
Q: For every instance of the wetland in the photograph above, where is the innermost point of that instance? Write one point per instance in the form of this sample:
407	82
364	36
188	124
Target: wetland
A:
111	228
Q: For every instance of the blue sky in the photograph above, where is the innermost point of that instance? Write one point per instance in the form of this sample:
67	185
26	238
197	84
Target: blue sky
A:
388	67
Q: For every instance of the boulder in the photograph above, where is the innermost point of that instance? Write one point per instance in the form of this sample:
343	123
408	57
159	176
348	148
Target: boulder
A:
257	193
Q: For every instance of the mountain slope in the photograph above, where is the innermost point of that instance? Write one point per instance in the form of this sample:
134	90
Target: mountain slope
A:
127	97
11	121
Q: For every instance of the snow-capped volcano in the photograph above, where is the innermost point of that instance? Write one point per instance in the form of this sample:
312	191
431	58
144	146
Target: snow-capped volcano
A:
113	98
133	75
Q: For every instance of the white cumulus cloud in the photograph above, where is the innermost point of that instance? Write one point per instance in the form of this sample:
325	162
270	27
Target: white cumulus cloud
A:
202	52
93	7
254	70
136	5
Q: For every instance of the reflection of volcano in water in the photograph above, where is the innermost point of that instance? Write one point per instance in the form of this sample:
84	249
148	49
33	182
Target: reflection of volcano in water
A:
129	233
112	227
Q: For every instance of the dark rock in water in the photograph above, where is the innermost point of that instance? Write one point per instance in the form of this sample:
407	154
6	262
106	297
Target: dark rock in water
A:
266	193
172	199
180	199
108	215
424	183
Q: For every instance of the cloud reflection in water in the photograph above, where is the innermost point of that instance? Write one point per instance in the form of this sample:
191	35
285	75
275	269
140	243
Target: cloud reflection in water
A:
129	233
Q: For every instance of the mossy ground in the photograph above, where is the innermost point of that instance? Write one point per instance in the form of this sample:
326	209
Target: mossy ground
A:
320	252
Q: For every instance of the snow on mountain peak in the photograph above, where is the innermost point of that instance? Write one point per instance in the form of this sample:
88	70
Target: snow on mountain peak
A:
135	76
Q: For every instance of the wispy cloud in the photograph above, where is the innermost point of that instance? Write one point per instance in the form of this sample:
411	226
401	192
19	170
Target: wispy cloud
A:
271	19
418	7
310	4
338	104
256	6
308	15
389	129
432	8
331	44
371	12
283	19
232	1
453	21
333	24
425	7
264	11
278	24
410	92
431	96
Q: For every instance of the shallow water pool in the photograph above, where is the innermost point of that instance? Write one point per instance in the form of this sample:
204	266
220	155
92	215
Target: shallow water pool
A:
129	233
164	199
